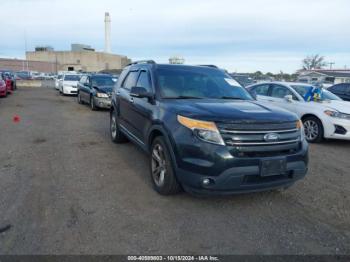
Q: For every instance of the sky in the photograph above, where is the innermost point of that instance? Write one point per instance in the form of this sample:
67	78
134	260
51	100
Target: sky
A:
238	35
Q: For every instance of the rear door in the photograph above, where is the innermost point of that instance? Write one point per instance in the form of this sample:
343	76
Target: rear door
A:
261	92
126	103
141	108
278	94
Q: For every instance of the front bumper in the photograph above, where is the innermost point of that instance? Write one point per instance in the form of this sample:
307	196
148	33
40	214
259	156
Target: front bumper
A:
69	90
330	128
229	174
103	102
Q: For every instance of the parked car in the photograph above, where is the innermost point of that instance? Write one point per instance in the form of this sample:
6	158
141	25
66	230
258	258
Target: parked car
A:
10	80
23	75
3	88
327	118
58	79
69	84
96	90
341	90
204	132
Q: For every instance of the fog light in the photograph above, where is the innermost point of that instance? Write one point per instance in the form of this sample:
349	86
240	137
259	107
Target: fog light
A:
206	182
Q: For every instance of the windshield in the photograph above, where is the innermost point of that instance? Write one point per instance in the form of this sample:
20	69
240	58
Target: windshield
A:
72	77
102	81
181	83
304	89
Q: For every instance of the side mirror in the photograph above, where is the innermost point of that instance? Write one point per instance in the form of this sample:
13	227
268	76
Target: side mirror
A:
289	98
86	84
140	92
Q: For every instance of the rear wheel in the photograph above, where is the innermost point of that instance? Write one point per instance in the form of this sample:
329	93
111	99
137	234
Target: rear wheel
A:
313	129
116	136
162	171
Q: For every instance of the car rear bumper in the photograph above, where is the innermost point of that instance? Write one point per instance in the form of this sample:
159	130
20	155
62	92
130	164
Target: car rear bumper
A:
3	92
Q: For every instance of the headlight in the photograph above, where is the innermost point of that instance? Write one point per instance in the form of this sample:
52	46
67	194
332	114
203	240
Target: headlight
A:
102	95
300	126
337	114
206	131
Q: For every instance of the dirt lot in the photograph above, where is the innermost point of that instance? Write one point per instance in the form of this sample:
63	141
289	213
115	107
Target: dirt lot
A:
66	189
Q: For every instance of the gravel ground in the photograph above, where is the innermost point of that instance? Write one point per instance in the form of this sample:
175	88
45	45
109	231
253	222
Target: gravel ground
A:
67	189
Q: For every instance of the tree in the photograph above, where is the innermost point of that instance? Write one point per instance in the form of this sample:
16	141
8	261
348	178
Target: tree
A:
314	62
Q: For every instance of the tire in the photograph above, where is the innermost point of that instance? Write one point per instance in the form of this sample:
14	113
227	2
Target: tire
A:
161	168
79	99
313	129
92	104
117	136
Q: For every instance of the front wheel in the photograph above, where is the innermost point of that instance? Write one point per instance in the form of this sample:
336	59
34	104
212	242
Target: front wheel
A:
92	104
79	99
162	171
313	129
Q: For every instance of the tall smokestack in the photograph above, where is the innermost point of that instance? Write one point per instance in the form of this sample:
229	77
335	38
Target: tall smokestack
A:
107	33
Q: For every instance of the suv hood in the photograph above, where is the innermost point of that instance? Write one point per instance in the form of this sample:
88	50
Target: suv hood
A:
218	110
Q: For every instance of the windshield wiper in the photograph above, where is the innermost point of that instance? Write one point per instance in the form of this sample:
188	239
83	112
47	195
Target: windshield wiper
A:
231	97
183	97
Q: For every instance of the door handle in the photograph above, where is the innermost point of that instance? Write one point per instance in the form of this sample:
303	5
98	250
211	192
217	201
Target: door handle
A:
131	100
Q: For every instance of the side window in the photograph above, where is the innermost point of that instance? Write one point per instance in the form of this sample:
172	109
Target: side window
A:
281	92
130	80
262	90
144	81
347	89
83	80
338	88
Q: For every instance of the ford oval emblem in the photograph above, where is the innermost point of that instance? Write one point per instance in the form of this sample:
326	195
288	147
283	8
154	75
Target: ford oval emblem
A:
272	137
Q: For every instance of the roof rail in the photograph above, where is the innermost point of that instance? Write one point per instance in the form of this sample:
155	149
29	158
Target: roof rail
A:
142	62
213	66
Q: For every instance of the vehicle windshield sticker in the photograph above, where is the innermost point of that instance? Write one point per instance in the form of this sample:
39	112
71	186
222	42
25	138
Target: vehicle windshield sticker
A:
232	82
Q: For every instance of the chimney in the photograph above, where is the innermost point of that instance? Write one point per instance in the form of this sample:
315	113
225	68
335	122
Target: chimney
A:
107	33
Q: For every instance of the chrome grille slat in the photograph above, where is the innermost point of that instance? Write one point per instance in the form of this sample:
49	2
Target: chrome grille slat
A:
256	132
261	143
249	140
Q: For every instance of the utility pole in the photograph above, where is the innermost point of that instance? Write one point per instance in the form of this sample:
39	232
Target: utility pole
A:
331	65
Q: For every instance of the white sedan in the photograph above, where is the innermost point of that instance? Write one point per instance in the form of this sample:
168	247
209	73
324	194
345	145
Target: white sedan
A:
69	84
326	118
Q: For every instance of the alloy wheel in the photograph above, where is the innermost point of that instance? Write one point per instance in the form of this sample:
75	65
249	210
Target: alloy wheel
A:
311	130
158	165
113	127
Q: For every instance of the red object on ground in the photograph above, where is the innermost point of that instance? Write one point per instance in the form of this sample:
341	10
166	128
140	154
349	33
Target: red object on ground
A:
16	119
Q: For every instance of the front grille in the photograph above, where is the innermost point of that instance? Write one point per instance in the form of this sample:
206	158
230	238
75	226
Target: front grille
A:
261	140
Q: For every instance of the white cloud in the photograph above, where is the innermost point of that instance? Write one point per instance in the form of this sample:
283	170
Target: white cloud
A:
269	34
